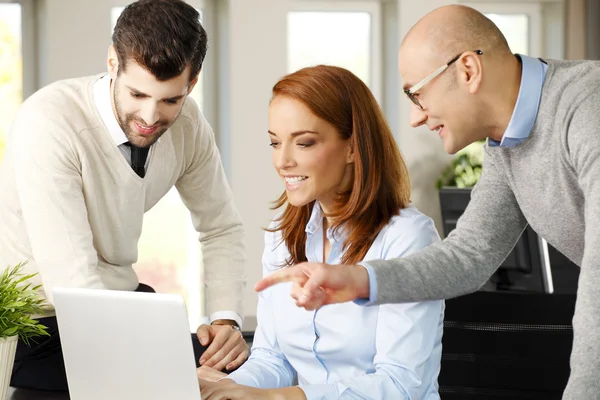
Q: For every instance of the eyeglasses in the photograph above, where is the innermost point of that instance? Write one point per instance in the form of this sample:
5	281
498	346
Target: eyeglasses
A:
414	89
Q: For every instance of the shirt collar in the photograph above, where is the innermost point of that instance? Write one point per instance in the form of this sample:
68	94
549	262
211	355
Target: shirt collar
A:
315	221
315	224
103	103
528	102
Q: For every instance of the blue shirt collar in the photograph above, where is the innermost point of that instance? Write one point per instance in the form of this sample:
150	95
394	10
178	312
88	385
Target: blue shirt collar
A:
316	219
315	224
528	102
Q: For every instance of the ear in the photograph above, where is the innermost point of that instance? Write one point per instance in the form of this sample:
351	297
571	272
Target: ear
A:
470	71
350	151
112	62
192	84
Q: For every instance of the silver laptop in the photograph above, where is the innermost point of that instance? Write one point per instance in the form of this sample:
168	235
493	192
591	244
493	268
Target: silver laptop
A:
122	345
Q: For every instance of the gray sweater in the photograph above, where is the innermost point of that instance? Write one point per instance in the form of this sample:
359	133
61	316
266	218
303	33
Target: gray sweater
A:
552	181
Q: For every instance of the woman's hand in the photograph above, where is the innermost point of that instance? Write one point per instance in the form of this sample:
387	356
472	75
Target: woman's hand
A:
227	389
210	374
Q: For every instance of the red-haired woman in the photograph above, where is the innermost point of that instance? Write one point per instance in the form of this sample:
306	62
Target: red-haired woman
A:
346	199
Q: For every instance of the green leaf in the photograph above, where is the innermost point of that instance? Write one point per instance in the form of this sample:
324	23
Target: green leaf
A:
9	331
19	301
14	305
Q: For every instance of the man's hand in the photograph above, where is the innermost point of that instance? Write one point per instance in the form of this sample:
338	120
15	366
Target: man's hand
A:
317	284
227	350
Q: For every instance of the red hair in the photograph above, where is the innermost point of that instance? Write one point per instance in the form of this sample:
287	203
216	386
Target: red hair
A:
381	184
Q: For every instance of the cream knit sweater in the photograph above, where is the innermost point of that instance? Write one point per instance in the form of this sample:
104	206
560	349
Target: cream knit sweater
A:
72	205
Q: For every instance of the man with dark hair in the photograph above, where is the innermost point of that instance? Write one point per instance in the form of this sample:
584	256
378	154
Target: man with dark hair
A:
87	157
542	167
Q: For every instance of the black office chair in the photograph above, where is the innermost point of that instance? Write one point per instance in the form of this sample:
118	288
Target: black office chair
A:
504	345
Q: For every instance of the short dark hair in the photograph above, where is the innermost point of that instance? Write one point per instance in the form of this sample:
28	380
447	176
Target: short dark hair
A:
162	36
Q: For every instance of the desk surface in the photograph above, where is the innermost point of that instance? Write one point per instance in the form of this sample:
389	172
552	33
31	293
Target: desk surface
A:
21	394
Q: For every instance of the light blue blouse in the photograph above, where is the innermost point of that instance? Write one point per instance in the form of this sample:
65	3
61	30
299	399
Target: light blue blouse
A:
348	351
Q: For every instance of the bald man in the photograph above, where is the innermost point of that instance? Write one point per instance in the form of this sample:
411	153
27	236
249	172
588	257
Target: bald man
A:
541	119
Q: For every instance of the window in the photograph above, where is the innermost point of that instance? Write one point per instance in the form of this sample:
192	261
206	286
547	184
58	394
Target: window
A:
11	66
515	28
521	24
336	33
169	254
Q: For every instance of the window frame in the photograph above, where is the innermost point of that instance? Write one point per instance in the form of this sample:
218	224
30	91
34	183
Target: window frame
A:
28	45
373	7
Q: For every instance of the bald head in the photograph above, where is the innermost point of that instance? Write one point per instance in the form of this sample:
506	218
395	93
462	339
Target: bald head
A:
451	30
476	97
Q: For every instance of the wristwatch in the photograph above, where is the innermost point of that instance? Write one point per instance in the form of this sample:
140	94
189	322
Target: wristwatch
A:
234	325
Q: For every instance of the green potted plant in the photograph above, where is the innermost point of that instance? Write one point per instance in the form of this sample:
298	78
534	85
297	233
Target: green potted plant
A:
465	170
19	302
456	181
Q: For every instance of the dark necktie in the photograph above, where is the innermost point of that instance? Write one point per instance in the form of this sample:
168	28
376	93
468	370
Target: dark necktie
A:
138	158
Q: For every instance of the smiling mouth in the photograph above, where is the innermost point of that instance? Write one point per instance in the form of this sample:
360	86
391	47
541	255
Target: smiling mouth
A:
439	129
294	179
145	130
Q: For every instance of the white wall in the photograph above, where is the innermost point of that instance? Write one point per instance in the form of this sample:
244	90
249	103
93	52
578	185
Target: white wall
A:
73	38
255	65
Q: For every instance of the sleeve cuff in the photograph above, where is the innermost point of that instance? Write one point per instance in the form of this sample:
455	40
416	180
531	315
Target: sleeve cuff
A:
372	286
232	315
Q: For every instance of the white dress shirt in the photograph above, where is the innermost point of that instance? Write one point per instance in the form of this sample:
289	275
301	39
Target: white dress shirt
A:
348	351
104	106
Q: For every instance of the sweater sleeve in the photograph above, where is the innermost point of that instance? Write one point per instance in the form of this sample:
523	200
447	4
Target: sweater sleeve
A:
49	185
484	236
205	192
583	128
